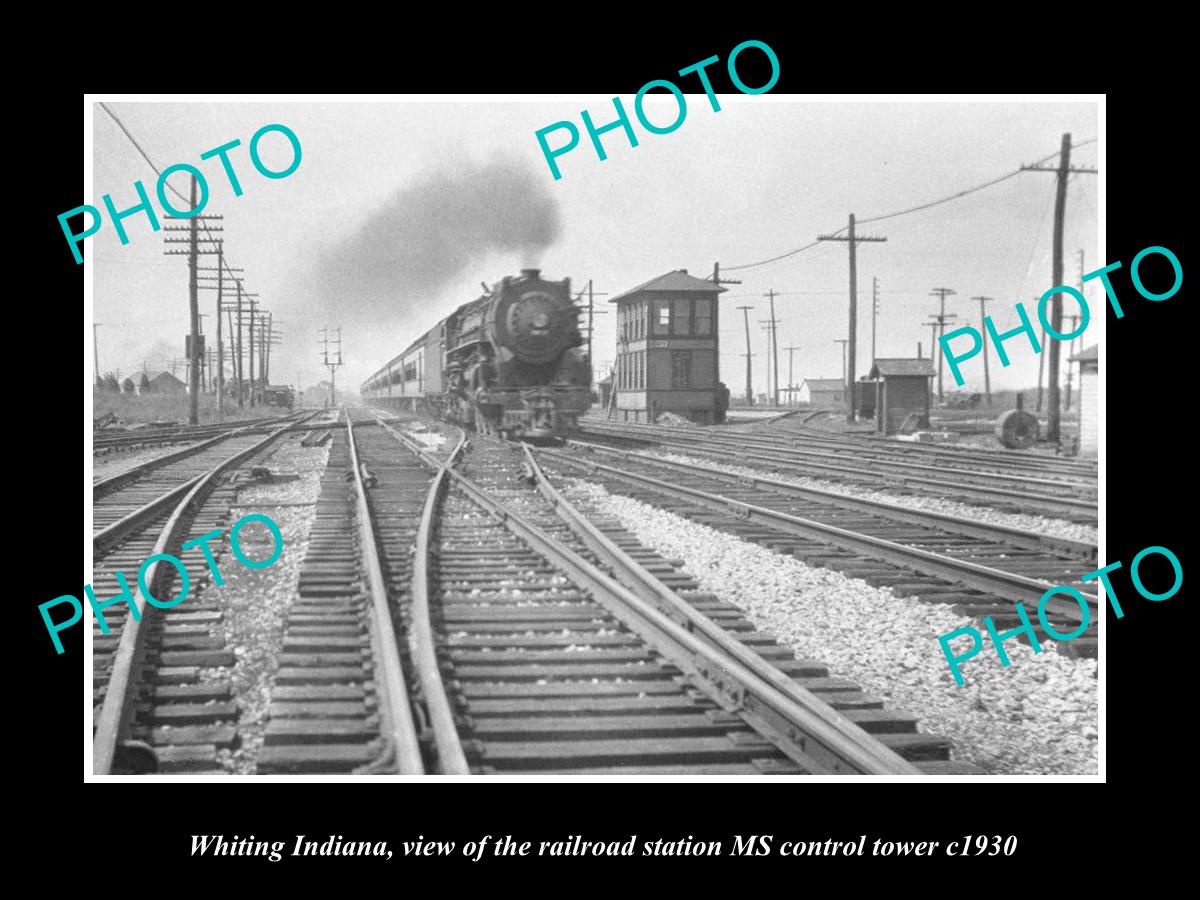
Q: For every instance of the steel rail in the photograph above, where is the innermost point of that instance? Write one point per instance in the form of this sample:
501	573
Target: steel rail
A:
837	738
188	432
1010	458
873	475
969	574
1017	537
164	501
451	759
1050	469
398	729
113	482
118	709
819	743
863	453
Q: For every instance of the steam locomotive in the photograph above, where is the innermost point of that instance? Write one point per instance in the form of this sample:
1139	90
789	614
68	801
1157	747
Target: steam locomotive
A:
507	363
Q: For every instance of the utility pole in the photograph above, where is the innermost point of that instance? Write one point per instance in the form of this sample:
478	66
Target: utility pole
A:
194	308
774	350
716	321
1062	171
1074	324
941	321
96	350
749	388
853	240
591	326
874	313
251	355
987	380
1041	365
843	342
193	254
791	388
222	306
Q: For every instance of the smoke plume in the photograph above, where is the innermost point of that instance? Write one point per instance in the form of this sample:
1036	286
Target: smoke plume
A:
435	230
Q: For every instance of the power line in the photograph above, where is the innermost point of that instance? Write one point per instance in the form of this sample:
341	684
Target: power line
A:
912	209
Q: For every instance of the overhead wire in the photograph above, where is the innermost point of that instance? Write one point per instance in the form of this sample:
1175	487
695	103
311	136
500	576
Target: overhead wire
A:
909	210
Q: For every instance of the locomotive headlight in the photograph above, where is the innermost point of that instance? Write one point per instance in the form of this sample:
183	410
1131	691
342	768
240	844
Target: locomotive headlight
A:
541	320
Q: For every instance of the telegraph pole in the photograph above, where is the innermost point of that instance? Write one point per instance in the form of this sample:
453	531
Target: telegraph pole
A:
1074	324
1041	366
194	308
942	319
791	388
774	350
96	350
746	318
716	318
251	355
220	346
193	254
853	240
1062	171
987	380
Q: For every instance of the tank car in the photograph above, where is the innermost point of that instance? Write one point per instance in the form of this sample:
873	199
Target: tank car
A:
509	362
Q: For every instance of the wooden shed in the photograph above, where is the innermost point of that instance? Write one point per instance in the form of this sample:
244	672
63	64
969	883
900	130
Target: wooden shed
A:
825	393
904	389
668	351
1089	400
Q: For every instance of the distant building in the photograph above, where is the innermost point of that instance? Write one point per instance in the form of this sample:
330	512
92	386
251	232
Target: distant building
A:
824	393
166	383
667	350
1089	400
903	390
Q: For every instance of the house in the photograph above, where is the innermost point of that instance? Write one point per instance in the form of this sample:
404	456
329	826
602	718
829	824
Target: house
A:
903	389
1089	400
166	383
667	350
825	393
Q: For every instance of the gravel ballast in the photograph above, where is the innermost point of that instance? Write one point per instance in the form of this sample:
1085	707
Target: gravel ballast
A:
1059	528
1037	716
255	601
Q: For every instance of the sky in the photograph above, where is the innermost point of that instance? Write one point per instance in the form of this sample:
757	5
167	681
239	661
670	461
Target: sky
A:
398	210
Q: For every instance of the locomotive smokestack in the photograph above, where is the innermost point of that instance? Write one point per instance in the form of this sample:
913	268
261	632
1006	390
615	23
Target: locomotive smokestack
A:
531	273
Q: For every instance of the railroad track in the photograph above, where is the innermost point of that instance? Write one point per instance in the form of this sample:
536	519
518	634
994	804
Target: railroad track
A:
1002	460
1073	498
980	569
541	641
151	708
103	442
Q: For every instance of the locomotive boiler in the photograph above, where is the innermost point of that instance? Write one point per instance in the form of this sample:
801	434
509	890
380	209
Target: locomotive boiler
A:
509	362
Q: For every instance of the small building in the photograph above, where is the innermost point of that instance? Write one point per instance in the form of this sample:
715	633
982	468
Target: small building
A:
166	383
1089	400
823	393
667	350
904	387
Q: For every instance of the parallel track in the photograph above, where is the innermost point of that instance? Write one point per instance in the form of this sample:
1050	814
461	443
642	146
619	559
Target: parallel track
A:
981	569
1053	494
152	708
554	665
